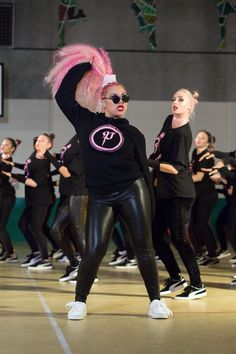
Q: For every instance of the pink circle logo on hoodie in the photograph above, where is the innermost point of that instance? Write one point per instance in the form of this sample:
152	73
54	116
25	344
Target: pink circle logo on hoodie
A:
106	138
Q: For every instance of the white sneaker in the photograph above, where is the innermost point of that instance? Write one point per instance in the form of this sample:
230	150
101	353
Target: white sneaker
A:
77	310
234	276
158	309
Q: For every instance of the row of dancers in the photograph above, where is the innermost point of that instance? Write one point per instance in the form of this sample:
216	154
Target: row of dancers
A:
119	185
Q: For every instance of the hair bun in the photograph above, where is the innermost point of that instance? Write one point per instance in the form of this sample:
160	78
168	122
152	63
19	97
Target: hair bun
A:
18	141
195	94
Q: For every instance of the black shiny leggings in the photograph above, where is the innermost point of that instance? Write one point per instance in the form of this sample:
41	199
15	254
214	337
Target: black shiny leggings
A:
174	214
133	207
69	226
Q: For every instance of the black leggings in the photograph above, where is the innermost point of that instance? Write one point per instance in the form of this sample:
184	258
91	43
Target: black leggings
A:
31	225
174	214
70	224
122	240
46	229
132	206
6	204
199	229
231	226
220	226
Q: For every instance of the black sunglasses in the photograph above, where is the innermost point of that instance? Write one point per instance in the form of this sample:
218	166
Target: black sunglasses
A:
116	99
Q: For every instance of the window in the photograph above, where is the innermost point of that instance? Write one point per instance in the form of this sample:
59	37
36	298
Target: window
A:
6	23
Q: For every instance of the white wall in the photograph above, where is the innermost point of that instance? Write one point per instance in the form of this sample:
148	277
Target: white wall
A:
25	119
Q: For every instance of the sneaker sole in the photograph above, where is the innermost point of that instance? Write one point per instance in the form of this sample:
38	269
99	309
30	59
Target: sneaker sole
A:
193	297
135	266
27	265
13	261
40	268
76	317
224	256
160	317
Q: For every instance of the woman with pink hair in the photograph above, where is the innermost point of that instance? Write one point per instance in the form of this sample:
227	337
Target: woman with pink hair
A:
115	164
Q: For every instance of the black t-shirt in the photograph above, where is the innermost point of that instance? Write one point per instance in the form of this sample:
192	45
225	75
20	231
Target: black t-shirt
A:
206	185
108	145
5	185
70	157
39	171
174	147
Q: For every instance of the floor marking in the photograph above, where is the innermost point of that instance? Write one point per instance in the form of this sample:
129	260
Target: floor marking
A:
65	346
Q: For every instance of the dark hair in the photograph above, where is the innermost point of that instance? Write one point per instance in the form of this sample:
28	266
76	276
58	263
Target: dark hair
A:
210	138
14	142
34	140
50	137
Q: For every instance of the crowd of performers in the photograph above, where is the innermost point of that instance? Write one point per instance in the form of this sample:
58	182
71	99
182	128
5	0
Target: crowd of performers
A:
109	188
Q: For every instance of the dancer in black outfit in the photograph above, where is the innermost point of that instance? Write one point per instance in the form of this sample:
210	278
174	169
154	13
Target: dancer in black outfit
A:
175	194
69	224
116	175
7	198
228	158
200	231
226	169
38	198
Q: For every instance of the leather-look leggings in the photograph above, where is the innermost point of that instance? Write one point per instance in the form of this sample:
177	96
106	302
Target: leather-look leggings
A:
69	225
133	207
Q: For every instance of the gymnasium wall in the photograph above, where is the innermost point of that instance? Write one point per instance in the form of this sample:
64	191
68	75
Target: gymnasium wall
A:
187	55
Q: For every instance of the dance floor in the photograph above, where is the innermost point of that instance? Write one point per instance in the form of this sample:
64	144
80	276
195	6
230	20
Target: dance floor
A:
33	317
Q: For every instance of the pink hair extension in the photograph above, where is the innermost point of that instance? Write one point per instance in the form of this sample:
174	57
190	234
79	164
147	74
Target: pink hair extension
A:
88	91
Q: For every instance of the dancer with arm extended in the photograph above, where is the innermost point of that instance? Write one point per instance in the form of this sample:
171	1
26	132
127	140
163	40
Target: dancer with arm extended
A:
116	175
175	194
38	198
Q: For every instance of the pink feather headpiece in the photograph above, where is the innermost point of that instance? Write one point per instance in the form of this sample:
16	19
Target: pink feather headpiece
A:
88	91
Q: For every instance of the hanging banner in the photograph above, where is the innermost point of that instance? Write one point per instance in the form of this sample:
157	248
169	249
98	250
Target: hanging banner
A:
146	14
67	12
225	8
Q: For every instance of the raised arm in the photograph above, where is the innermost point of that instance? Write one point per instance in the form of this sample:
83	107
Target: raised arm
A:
65	96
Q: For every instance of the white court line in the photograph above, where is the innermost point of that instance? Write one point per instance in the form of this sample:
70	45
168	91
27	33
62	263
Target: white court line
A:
65	346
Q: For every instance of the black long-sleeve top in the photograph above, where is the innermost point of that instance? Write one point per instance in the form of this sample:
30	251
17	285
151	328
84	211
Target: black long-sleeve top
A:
230	176
5	185
172	146
206	185
113	151
70	157
38	170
